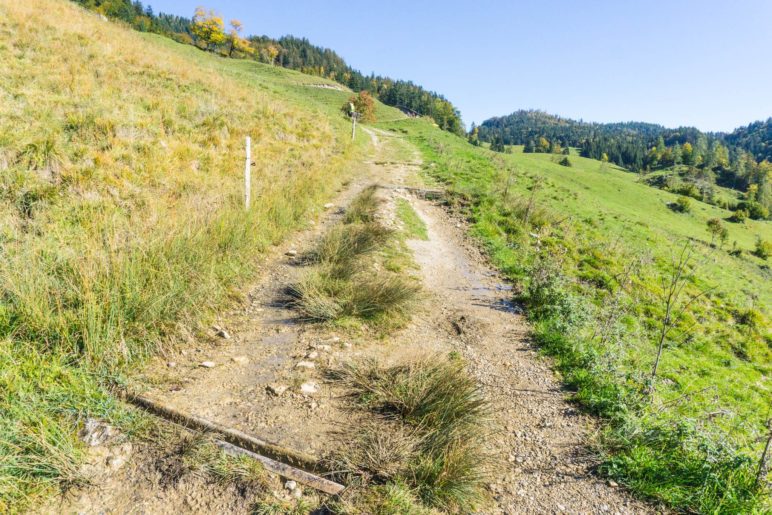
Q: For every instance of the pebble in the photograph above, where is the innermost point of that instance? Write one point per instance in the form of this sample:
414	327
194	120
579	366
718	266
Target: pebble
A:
309	388
290	485
276	389
613	483
222	333
292	253
241	360
329	205
171	364
207	364
312	355
305	364
95	432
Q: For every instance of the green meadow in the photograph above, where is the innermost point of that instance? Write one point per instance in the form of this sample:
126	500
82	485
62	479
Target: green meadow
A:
587	247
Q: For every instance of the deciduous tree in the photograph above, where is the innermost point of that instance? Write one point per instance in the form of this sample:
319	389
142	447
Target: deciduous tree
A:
208	28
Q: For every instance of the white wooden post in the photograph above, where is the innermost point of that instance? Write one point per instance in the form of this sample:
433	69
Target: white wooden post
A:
353	124
248	176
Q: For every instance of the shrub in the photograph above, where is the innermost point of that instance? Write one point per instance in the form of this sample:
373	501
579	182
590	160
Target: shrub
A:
739	216
717	231
754	210
547	297
565	162
682	205
763	248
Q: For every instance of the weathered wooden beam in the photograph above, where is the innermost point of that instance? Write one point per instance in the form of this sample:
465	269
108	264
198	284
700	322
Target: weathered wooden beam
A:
284	470
421	192
230	435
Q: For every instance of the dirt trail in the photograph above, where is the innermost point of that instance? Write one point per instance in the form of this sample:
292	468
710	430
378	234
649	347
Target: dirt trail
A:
542	442
543	438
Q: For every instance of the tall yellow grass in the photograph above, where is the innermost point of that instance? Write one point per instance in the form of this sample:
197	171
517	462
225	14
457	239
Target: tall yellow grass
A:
121	219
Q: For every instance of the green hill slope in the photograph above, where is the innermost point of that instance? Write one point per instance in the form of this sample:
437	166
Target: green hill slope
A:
121	214
588	246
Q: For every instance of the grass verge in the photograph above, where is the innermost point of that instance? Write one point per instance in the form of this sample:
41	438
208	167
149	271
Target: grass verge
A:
414	227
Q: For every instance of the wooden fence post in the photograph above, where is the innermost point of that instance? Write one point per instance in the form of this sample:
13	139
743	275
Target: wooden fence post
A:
248	176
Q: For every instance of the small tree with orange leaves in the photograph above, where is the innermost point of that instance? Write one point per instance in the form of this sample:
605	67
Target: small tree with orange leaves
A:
364	105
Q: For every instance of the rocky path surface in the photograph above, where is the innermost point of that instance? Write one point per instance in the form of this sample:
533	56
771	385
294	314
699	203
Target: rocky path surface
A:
542	438
261	370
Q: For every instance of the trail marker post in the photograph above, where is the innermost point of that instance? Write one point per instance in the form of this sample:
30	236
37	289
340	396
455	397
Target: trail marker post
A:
248	176
354	115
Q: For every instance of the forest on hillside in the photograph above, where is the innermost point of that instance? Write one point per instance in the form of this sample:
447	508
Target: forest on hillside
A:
207	30
739	160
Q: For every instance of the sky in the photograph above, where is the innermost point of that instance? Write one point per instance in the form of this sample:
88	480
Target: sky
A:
680	62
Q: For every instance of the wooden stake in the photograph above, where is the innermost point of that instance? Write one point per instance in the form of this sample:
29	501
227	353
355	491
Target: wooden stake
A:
761	475
248	176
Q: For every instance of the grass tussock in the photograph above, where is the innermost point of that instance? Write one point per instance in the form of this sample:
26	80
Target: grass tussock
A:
364	207
425	445
326	294
350	279
343	245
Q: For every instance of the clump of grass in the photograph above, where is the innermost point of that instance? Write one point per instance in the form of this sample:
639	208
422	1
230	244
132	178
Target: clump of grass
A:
428	439
340	247
276	507
323	295
344	284
201	457
364	207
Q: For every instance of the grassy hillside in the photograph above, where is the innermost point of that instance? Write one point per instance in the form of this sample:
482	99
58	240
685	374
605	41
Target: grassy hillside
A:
587	247
121	217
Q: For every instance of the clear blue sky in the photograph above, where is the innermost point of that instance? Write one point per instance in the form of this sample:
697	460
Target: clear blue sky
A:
701	63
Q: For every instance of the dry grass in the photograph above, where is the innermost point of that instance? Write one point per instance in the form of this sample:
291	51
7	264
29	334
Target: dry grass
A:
428	436
364	207
121	218
349	280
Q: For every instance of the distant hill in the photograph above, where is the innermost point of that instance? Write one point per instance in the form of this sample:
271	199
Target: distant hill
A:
755	138
737	160
625	143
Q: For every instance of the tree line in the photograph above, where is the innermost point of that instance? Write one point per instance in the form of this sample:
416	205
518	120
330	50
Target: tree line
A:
207	30
739	160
